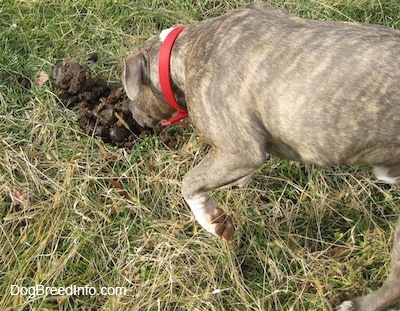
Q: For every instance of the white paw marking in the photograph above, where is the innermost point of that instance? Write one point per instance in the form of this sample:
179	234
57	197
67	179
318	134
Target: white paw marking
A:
165	33
346	306
381	174
199	211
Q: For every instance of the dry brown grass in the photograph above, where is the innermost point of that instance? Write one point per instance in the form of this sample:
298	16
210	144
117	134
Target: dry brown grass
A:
306	238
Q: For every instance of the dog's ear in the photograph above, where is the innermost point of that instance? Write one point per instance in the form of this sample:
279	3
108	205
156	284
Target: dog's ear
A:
133	75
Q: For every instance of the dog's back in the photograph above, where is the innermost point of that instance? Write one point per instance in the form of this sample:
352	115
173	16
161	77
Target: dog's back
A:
321	92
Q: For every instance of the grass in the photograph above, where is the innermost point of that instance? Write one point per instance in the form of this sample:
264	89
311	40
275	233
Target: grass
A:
306	238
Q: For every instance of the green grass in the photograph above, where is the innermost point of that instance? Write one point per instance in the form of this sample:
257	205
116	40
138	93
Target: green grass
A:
306	238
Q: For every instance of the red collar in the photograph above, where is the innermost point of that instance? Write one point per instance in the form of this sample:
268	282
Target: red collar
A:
165	80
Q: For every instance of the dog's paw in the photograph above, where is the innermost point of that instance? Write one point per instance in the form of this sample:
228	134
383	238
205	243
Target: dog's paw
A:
347	305
217	222
223	225
211	218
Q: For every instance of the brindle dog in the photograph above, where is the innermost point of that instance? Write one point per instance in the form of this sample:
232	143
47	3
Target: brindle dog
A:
259	81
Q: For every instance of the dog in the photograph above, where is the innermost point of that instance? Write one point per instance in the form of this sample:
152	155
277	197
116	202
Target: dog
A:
259	81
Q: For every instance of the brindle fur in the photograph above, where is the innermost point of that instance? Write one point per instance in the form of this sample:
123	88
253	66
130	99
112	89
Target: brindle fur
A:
259	81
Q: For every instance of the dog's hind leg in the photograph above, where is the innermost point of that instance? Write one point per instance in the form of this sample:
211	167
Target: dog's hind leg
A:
388	174
389	293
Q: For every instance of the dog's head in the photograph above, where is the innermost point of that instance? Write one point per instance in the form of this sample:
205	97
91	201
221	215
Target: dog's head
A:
142	85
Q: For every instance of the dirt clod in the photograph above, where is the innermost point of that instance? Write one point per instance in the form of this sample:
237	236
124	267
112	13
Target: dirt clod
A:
22	81
92	57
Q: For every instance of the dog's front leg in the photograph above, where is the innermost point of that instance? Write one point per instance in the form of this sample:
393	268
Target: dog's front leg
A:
216	170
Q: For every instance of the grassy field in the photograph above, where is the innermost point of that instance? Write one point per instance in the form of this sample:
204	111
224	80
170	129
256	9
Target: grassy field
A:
307	237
